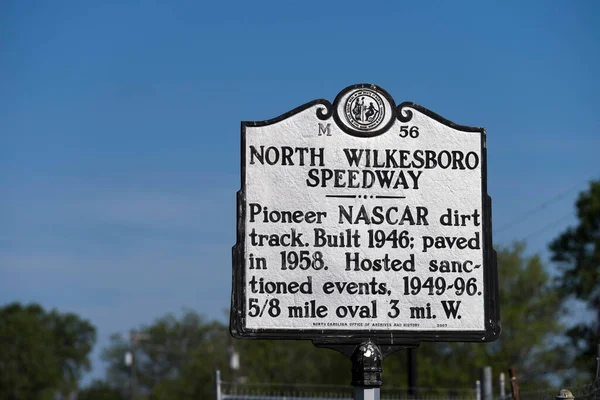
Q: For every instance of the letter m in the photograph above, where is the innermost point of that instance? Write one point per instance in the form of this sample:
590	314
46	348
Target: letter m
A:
324	129
295	311
417	312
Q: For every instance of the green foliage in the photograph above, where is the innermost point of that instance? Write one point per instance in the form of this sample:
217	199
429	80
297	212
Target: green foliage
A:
577	250
41	353
530	308
99	390
179	358
292	361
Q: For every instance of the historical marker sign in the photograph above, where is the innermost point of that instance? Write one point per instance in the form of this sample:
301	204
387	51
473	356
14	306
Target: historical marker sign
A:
363	219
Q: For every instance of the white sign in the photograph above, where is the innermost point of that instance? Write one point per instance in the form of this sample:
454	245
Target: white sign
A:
363	218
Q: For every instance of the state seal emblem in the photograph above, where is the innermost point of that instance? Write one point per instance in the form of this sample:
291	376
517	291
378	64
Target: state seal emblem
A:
364	109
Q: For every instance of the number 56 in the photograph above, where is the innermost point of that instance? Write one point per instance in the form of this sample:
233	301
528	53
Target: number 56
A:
412	131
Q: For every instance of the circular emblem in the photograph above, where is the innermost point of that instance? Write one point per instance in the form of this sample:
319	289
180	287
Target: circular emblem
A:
364	109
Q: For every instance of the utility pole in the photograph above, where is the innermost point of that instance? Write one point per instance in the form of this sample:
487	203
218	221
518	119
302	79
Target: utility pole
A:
130	358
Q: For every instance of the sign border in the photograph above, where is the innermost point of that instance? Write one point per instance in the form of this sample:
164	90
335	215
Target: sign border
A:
490	273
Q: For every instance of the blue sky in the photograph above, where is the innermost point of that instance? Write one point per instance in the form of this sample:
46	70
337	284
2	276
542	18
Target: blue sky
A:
119	128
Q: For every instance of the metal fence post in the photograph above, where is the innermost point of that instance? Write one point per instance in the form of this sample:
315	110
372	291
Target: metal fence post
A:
218	384
598	361
478	390
502	386
486	383
514	386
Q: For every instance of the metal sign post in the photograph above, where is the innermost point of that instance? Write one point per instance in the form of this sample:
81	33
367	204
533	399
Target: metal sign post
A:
367	363
364	225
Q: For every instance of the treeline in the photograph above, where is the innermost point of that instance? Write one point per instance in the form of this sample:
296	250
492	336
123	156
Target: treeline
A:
43	354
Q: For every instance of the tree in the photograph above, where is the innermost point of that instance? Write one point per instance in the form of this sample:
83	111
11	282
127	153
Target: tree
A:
41	353
179	357
99	390
577	251
530	307
292	361
170	349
